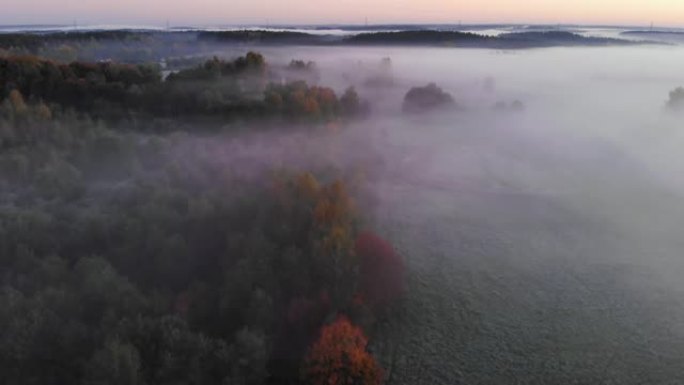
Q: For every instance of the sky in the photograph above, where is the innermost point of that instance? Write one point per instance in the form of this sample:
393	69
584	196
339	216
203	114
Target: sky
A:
227	12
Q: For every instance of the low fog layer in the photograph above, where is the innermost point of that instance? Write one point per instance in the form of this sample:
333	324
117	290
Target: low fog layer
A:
545	244
536	205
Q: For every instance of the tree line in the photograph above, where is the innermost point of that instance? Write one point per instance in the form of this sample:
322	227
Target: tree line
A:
225	90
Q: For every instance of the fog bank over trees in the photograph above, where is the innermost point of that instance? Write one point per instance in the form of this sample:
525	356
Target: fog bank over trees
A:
240	212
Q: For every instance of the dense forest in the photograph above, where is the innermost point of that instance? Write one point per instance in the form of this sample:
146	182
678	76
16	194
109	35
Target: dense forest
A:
138	249
209	207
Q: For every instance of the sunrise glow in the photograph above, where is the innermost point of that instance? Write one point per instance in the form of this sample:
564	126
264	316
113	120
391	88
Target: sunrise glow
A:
610	12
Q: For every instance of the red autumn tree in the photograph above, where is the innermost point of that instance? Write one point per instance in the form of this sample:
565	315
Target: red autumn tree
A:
382	270
339	357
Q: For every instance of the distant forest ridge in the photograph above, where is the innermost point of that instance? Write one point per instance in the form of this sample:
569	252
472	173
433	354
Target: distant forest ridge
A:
497	37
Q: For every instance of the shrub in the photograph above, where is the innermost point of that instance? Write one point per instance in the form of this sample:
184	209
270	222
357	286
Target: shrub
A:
430	97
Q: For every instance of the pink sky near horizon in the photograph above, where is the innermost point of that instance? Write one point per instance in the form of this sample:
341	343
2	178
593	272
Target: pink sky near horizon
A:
211	12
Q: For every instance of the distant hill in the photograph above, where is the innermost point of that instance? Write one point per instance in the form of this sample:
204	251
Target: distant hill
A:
557	38
424	37
420	37
529	39
664	36
413	37
652	32
265	37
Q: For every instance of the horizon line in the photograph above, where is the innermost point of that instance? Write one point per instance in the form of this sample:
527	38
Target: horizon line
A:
164	24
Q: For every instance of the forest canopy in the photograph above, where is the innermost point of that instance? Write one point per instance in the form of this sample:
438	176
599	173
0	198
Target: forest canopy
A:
135	255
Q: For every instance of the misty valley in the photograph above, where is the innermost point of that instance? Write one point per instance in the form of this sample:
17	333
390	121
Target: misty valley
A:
394	207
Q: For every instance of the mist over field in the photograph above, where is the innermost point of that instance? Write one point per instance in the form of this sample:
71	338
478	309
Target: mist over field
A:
594	137
544	245
535	212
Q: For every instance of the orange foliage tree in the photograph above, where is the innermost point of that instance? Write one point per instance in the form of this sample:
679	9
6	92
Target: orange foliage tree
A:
17	101
299	101
339	357
334	212
320	221
332	216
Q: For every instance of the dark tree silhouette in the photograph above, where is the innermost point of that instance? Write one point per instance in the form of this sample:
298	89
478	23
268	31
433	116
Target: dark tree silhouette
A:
382	270
423	99
676	101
